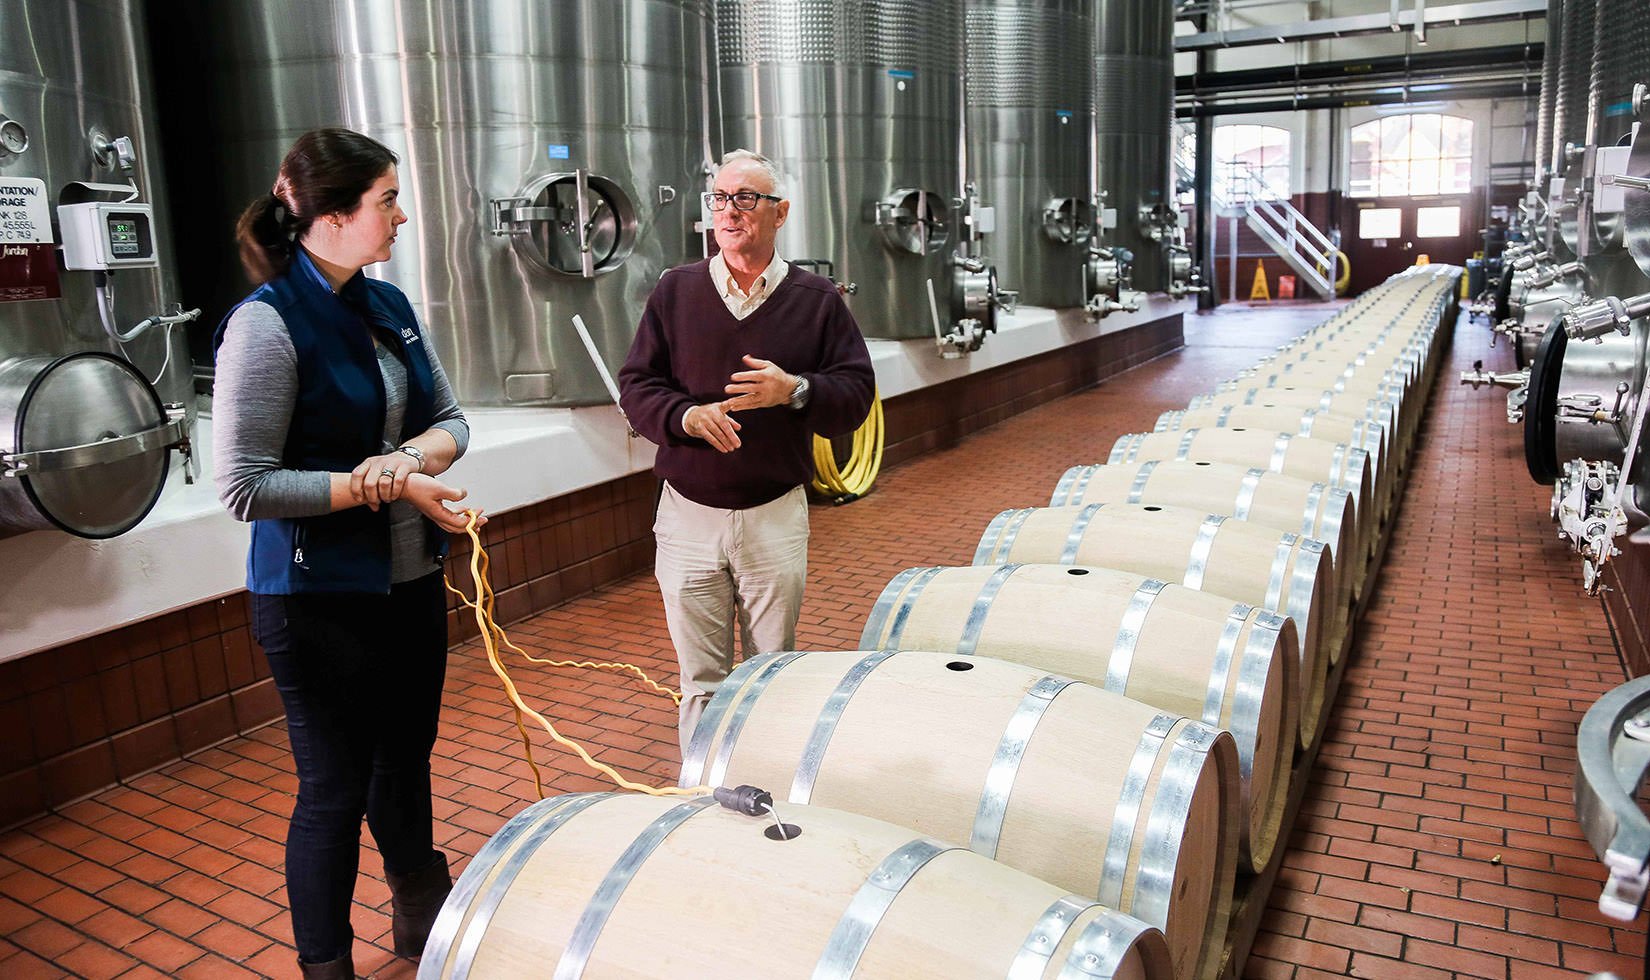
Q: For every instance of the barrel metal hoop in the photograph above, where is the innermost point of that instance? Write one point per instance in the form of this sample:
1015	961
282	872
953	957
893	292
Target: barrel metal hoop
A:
1246	493
1124	448
1062	489
865	910
693	763
1074	538
1251	688
537	821
1332	523
1214	700
1307	568
903	616
1011	533
1166	823
589	928
1138	488
1338	473
1280	564
999	536
1308	419
1082	485
1309	519
1115	867
1199	401
1249	399
1045	937
1280	452
977	613
1169	421
813	754
1128	634
1005	765
1225	413
736	723
1185	448
871	637
1202	545
1101	946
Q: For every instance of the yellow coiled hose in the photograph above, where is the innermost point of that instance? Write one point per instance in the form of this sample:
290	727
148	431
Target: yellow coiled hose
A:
846	484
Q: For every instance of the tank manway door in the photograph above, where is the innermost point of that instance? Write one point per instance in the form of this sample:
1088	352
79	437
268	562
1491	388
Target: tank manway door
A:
913	220
577	224
84	444
1067	220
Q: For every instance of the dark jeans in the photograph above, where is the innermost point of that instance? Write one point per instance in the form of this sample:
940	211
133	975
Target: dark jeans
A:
361	678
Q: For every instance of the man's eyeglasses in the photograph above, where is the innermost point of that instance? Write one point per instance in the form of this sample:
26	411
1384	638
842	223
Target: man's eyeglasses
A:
742	201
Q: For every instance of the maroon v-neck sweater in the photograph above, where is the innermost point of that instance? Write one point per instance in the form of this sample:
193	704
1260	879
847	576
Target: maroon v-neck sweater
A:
687	347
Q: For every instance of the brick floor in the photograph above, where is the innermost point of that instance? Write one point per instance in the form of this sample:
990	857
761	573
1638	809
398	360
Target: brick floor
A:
1437	839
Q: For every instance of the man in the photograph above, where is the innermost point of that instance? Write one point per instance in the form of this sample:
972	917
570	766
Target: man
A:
738	361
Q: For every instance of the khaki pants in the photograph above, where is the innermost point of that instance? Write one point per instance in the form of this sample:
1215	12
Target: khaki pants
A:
713	565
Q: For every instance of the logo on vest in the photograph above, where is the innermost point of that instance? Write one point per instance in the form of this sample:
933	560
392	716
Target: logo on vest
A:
409	335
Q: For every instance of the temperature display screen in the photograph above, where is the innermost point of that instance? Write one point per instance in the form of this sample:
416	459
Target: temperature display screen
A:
123	237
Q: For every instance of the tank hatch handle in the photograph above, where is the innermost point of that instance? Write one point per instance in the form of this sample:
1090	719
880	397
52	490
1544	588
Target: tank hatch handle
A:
174	432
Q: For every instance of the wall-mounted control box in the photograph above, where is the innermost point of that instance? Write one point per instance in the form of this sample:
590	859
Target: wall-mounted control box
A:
102	235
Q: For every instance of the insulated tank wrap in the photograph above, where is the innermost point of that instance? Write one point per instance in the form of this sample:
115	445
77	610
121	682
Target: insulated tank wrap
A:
1029	99
859	102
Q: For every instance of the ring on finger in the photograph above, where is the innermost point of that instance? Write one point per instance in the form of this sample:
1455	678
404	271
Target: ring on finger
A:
387	472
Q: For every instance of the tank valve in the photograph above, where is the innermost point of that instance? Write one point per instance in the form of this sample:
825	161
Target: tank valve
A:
1591	321
746	799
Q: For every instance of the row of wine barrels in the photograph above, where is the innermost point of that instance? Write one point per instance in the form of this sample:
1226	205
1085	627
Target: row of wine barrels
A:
1303	457
1314	510
625	885
1230	665
1242	560
1098	794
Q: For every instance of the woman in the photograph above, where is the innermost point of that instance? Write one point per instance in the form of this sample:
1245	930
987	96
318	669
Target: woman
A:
332	420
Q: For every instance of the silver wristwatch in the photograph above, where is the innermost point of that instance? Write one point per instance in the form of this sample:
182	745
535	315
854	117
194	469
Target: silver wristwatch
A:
799	394
415	453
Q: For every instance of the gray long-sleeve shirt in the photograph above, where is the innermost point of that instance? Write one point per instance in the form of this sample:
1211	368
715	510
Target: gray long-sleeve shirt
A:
256	389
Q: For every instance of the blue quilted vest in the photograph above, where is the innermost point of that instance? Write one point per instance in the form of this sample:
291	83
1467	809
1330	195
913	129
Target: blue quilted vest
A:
337	422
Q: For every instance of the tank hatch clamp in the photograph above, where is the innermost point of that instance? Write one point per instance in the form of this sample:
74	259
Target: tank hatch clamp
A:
170	434
1612	755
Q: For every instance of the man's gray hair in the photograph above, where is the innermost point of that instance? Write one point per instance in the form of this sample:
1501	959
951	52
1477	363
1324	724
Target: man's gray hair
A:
775	175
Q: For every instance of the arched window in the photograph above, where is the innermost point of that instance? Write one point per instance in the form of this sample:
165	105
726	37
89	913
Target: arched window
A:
1411	155
1251	160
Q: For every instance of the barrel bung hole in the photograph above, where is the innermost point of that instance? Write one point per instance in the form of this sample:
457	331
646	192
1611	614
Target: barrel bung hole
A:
1240	430
959	665
782	832
1151	508
1201	462
1077	571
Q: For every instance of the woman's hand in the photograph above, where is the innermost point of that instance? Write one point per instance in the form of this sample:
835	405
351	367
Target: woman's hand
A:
430	496
381	479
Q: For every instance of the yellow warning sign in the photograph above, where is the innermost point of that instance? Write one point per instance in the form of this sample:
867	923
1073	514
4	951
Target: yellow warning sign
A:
1260	291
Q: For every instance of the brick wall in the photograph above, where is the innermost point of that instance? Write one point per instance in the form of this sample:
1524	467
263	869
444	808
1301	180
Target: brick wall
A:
81	717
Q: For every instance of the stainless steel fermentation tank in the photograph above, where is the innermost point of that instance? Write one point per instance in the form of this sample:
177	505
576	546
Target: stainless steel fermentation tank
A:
1134	126
552	158
1029	106
84	436
859	102
1569	133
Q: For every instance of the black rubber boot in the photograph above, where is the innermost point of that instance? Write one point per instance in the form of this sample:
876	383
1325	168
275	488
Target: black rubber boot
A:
416	900
342	968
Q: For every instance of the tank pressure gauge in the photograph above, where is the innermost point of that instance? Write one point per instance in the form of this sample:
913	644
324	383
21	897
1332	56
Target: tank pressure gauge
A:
14	139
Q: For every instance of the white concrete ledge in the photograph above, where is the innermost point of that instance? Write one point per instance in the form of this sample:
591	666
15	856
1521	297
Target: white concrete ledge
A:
60	588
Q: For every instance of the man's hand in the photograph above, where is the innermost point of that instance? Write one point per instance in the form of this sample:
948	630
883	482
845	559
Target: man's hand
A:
711	423
764	386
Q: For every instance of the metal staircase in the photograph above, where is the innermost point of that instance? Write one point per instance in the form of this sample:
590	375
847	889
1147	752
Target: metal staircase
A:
1270	215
